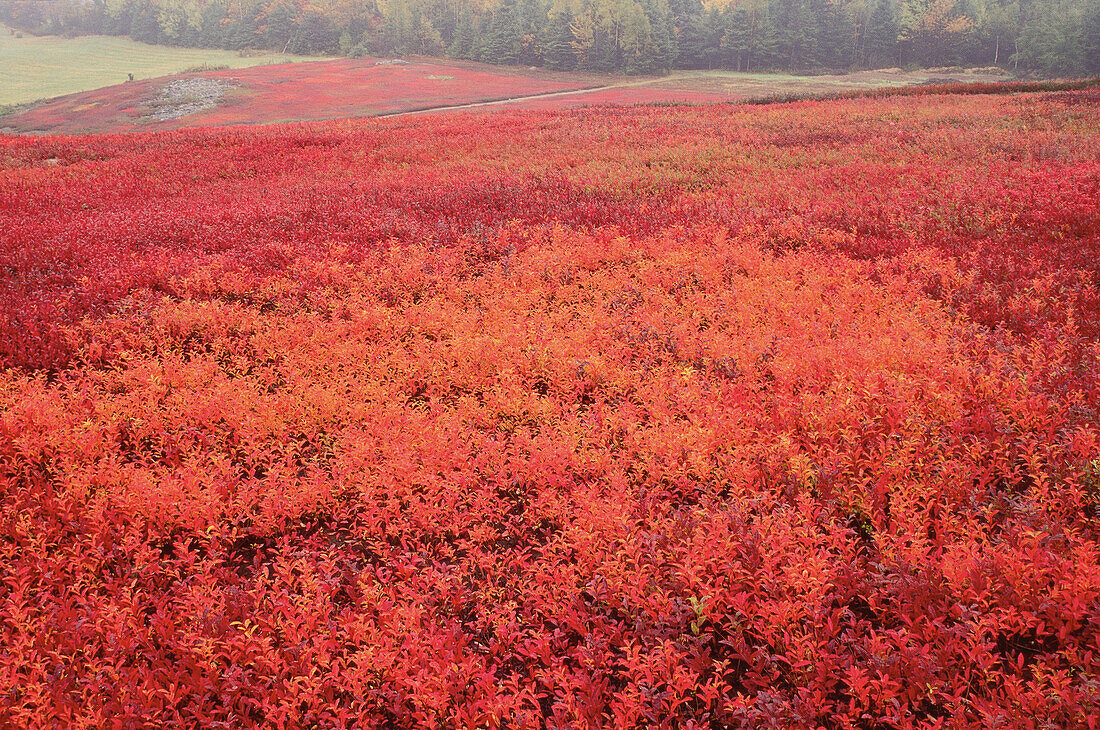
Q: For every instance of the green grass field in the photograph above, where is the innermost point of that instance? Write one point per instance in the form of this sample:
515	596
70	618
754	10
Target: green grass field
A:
41	67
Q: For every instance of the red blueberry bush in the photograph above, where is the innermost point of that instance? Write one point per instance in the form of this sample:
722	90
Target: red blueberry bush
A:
733	417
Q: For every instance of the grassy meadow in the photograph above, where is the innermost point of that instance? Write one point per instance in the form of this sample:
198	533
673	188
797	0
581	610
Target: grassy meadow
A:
41	67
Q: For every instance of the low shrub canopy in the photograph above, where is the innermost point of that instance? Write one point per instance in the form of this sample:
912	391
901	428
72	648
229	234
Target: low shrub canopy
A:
774	416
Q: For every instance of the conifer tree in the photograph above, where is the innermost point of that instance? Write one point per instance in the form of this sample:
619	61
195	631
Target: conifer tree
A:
557	43
1090	40
881	37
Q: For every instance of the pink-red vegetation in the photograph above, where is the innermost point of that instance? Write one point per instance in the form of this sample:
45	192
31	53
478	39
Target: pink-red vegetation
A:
624	96
296	91
781	417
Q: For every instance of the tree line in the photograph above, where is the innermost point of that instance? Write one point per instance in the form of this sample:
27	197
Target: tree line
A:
1050	37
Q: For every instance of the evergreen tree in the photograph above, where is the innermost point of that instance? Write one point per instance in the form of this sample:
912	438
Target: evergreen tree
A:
933	32
427	41
691	42
531	17
315	34
144	26
121	20
503	42
834	34
881	36
995	26
764	50
211	26
736	37
1053	42
241	33
464	41
1090	40
794	37
665	46
639	53
278	27
603	56
557	43
397	33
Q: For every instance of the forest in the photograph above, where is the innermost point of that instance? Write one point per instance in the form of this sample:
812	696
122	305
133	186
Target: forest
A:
1041	37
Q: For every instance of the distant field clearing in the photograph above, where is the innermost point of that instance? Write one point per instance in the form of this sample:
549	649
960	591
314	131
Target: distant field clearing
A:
362	87
40	67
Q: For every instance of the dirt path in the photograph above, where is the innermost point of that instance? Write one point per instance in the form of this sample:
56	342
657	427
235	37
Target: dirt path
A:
544	95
